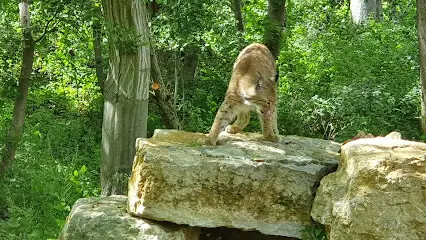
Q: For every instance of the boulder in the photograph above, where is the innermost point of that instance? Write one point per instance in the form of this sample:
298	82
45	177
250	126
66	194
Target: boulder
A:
106	218
243	183
378	191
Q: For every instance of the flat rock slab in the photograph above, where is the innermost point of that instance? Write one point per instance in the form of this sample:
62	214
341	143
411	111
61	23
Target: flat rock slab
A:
378	192
243	183
106	218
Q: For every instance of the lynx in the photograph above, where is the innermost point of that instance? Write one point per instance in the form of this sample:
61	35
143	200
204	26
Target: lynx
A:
252	87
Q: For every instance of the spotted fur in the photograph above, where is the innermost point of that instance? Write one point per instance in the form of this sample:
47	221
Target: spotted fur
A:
252	88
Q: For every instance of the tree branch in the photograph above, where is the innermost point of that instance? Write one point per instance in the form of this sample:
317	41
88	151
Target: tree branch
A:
46	31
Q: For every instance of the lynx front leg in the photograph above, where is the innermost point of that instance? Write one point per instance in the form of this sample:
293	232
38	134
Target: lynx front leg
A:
224	116
243	118
268	117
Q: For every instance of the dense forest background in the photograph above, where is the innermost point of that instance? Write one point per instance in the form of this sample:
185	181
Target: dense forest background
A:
336	78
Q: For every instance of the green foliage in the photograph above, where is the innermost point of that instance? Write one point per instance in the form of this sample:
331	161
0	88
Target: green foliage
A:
57	163
206	28
255	17
125	39
58	159
336	79
314	232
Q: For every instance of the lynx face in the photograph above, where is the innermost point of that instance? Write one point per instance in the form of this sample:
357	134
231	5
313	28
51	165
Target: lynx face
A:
252	88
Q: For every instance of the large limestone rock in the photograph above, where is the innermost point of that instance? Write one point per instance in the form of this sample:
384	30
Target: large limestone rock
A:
106	218
243	183
378	192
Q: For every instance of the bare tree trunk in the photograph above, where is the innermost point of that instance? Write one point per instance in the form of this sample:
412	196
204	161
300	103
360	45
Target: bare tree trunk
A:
189	65
421	29
125	91
153	8
175	92
236	8
15	131
275	26
97	43
163	98
378	10
362	9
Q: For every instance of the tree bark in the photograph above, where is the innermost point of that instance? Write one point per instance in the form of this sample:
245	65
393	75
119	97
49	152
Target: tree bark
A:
421	29
176	82
97	43
236	8
275	26
189	65
362	9
125	91
163	98
15	131
153	8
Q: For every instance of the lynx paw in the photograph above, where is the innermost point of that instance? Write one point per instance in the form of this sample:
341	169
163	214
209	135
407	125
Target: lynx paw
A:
206	141
232	129
272	138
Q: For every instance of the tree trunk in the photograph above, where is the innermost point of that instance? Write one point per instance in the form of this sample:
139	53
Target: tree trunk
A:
163	98
15	131
393	4
189	65
421	29
176	82
97	43
153	8
362	9
125	91
236	8
275	26
167	111
334	3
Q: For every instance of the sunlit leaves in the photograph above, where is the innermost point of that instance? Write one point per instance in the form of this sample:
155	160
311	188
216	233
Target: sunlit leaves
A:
370	69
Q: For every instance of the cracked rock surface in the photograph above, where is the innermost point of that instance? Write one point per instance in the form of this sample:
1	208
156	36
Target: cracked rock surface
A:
378	192
243	183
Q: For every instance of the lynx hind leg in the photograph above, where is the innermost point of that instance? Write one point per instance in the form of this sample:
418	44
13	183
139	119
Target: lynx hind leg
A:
243	118
268	120
224	116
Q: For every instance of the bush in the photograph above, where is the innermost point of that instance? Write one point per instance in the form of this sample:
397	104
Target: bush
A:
56	163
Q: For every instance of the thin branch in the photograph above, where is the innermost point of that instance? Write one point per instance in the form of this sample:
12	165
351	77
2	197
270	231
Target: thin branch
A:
46	31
